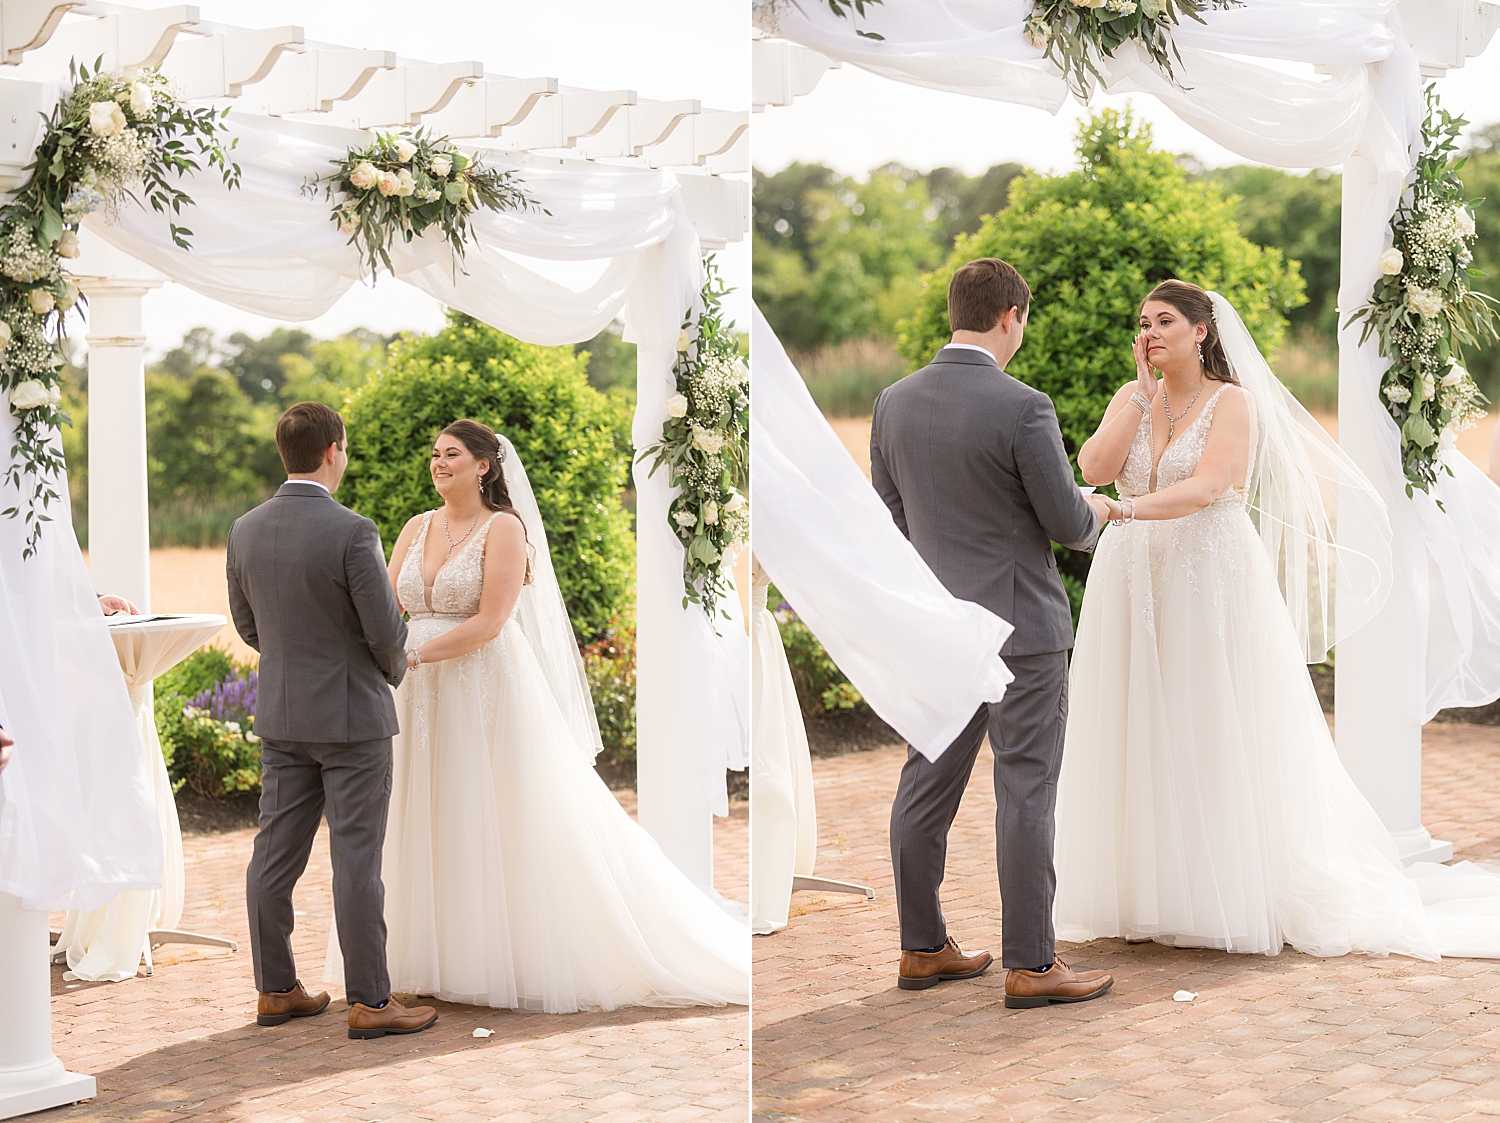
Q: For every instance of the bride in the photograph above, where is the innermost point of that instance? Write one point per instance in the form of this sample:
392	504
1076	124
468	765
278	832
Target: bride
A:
1201	801
513	877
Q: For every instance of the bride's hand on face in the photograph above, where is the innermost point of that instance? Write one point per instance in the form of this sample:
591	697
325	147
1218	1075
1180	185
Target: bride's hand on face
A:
1145	377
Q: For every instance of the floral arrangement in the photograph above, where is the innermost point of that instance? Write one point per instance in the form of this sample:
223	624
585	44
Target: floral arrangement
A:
205	717
1074	34
405	183
106	137
705	445
1424	310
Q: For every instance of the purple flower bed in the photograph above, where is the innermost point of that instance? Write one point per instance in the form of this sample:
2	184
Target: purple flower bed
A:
233	699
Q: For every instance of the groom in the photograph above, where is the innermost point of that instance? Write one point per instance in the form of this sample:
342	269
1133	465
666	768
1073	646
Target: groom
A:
309	591
971	463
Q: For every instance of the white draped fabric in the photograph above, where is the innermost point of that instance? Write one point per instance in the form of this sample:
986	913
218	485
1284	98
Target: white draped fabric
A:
1364	112
923	659
270	249
77	825
783	815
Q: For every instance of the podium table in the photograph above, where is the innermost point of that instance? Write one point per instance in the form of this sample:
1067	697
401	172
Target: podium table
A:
109	943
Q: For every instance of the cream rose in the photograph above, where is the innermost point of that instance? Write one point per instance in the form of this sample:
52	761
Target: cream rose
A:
140	99
29	395
4	335
348	223
710	513
365	175
441	166
741	371
1455	376
736	503
69	296
1392	262
66	244
405	184
684	340
1466	222
677	406
1426	389
707	440
405	149
42	301
106	118
387	184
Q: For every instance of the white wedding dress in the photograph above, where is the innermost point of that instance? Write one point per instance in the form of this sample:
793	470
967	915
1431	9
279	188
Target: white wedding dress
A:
513	877
1201	801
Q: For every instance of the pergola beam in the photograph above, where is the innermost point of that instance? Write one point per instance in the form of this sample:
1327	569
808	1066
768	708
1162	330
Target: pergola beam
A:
26	25
220	66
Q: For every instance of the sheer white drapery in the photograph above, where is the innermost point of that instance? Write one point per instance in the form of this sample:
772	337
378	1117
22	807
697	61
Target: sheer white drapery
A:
77	822
268	248
923	659
1364	112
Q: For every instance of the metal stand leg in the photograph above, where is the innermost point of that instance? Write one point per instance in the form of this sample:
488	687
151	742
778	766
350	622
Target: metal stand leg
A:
823	885
158	936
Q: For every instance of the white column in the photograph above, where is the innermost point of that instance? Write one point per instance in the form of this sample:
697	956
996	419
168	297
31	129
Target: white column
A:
1381	668
119	515
31	1077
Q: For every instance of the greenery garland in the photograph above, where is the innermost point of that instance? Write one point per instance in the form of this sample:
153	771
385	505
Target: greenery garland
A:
107	136
404	183
705	444
1424	309
1073	34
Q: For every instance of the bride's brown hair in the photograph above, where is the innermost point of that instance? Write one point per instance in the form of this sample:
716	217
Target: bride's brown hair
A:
483	444
1196	305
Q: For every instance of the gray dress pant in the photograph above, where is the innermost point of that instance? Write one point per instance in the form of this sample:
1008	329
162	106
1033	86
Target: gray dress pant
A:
300	783
1026	736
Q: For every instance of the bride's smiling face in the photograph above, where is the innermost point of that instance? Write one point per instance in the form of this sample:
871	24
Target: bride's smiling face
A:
454	469
1171	338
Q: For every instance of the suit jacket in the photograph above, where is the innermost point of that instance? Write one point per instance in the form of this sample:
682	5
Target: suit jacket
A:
308	589
971	463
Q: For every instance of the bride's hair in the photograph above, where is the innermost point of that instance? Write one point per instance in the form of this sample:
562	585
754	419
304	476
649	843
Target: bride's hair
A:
483	444
1194	303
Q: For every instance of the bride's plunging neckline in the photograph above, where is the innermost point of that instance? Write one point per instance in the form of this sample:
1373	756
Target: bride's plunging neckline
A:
1208	406
421	547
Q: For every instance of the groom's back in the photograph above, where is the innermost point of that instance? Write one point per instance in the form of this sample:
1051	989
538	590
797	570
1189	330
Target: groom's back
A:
970	462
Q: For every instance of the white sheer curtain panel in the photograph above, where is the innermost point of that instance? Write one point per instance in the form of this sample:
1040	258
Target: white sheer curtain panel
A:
923	659
77	821
1365	101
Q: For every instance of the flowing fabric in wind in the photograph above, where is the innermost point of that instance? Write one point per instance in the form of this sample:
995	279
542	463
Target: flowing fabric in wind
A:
77	818
923	659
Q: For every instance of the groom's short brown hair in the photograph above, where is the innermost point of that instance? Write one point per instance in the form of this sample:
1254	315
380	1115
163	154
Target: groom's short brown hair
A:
304	433
981	292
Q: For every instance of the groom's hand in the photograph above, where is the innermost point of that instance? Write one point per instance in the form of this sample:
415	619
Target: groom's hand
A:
1104	508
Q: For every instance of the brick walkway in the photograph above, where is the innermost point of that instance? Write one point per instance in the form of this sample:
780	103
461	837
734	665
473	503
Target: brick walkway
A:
1290	1037
184	1043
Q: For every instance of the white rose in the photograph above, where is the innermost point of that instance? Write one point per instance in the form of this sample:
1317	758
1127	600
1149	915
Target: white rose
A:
105	118
405	149
42	301
405	184
684	340
1448	440
1466	222
736	503
706	440
69	297
441	166
741	371
66	244
710	513
1427	302
387	184
140	99
1426	388
365	175
1392	262
677	406
348	223
4	335
29	395
1455	376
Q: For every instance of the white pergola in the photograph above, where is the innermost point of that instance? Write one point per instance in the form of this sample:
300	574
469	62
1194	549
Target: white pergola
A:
1381	666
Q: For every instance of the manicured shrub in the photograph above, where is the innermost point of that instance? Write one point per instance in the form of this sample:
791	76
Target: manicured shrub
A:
205	718
821	687
574	441
610	665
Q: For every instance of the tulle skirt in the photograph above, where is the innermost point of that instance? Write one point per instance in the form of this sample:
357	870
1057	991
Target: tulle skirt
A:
1201	801
513	877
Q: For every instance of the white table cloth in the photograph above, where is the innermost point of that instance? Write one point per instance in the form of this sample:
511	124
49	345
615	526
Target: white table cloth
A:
107	944
783	814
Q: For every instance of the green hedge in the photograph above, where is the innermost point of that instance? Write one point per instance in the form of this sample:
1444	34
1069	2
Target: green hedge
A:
574	441
821	687
208	756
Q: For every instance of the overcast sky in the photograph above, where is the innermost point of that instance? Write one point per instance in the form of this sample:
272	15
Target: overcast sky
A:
854	121
662	49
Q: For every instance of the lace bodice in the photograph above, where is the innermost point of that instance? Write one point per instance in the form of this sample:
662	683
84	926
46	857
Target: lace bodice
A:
1178	461
456	588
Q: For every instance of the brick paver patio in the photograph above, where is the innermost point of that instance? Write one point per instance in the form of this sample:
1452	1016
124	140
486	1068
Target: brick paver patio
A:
1290	1037
184	1043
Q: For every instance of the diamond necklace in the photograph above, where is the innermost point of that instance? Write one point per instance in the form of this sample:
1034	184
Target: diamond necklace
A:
1167	406
470	531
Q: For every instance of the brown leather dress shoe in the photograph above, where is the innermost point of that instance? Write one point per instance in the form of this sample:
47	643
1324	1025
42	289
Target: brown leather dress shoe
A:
274	1009
1026	989
367	1021
922	969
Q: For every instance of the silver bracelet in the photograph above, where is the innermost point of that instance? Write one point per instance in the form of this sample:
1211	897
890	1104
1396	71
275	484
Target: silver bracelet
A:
1139	401
415	658
1124	500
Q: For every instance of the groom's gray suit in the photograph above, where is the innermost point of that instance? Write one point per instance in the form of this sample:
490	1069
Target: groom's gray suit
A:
971	463
309	591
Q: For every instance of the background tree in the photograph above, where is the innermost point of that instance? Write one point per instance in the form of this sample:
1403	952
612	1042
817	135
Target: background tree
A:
574	441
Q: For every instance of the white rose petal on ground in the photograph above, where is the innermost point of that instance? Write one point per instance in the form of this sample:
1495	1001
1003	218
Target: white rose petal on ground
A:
483	1033
1184	996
